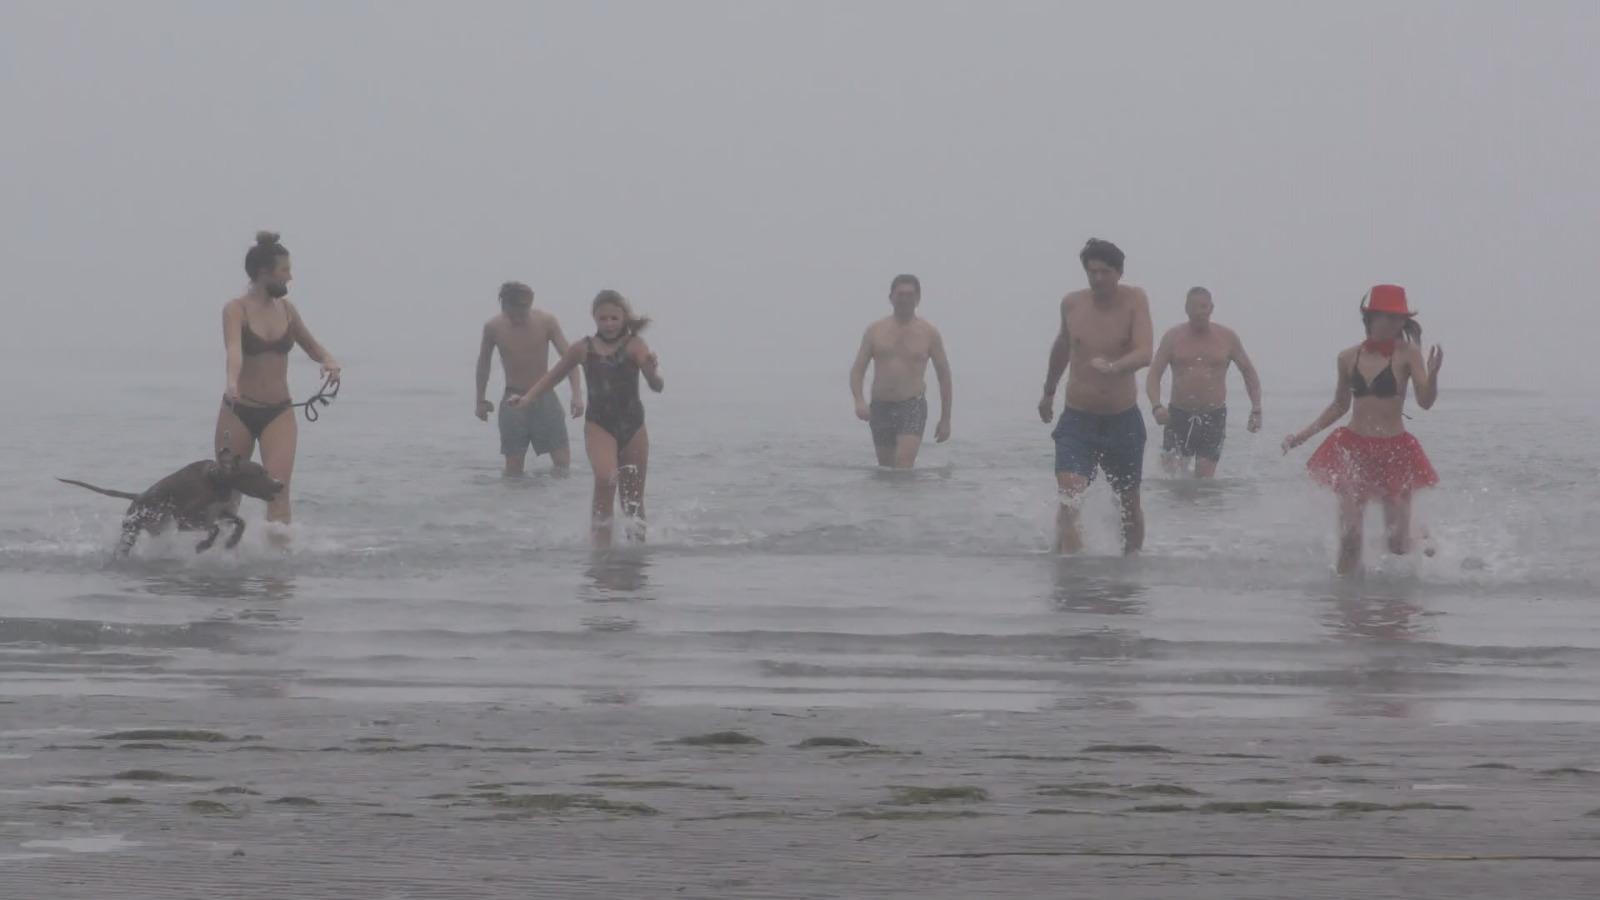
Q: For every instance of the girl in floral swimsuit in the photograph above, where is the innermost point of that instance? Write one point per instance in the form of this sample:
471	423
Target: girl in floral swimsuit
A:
614	433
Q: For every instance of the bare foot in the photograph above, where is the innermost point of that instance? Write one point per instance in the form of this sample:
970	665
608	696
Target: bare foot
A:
279	536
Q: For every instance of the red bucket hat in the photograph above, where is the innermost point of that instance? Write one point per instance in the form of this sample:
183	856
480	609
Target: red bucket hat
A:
1387	298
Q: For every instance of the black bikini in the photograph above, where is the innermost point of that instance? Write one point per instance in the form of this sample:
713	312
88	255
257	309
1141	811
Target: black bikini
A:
256	418
1383	384
253	344
614	402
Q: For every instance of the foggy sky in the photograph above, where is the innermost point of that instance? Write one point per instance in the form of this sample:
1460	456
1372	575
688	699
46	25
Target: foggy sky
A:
754	173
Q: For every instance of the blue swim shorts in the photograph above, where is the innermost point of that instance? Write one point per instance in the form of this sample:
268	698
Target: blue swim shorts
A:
1114	443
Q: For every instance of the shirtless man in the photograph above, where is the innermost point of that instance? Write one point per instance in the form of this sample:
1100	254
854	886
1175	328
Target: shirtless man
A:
899	349
1199	352
524	335
1105	338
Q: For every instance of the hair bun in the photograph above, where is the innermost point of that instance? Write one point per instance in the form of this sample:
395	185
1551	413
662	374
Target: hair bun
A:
266	238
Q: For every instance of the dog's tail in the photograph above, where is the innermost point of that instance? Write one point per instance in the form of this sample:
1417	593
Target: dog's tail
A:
124	495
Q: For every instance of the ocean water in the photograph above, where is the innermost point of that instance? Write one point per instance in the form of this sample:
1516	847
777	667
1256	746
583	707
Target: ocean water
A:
430	604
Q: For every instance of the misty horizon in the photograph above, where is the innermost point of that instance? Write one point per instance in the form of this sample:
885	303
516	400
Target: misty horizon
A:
754	175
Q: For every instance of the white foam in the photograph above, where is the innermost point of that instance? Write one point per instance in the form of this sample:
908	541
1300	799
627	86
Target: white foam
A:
94	843
51	731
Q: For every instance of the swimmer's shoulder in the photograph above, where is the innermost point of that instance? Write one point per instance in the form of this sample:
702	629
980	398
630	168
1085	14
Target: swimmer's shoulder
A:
1135	296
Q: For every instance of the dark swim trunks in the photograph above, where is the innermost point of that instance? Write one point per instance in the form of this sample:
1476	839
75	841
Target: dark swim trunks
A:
892	418
1112	442
1191	434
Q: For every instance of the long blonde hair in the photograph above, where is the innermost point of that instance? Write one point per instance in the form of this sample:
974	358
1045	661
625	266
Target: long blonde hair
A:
632	323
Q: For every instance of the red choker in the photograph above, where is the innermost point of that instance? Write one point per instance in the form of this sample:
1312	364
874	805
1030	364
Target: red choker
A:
1383	348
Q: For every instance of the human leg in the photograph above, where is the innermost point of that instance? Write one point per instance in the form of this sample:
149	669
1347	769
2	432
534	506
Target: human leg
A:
278	444
1123	462
633	464
1352	509
602	450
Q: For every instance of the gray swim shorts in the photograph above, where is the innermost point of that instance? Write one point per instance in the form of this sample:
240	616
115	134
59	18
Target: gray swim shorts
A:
542	425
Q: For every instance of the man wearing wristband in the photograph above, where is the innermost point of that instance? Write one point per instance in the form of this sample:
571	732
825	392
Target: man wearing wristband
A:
1199	352
1105	337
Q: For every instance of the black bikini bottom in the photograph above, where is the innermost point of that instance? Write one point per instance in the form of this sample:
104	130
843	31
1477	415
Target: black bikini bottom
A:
257	418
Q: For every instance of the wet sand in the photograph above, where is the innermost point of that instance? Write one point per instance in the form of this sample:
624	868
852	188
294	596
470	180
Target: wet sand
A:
309	798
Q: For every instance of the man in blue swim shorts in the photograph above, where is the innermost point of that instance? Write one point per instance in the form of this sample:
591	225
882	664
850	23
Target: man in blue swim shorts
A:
1105	338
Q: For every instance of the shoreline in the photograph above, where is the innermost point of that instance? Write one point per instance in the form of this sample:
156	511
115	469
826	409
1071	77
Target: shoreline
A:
170	798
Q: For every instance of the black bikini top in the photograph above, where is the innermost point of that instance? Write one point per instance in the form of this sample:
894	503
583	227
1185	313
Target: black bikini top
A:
253	344
1383	384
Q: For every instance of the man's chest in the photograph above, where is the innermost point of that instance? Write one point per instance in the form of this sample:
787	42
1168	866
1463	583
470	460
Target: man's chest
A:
1092	327
1202	352
908	347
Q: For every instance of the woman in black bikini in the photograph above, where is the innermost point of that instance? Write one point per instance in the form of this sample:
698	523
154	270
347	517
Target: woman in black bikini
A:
614	430
1374	457
259	329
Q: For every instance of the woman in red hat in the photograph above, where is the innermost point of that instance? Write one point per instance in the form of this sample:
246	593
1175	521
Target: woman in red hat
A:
1374	457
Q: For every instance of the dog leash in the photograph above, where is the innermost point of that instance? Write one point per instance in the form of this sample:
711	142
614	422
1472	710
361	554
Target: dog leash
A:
323	396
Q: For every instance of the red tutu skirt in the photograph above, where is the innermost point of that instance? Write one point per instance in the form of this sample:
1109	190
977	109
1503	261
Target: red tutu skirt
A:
1367	467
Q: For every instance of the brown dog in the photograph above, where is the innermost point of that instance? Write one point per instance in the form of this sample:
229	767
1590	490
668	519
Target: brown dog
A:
196	497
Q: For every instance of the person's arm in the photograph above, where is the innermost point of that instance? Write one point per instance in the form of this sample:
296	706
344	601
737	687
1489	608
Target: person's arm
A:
1158	371
941	370
1336	409
858	375
569	361
1143	338
559	341
318	353
1427	384
649	365
1252	381
232	339
1060	355
485	356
